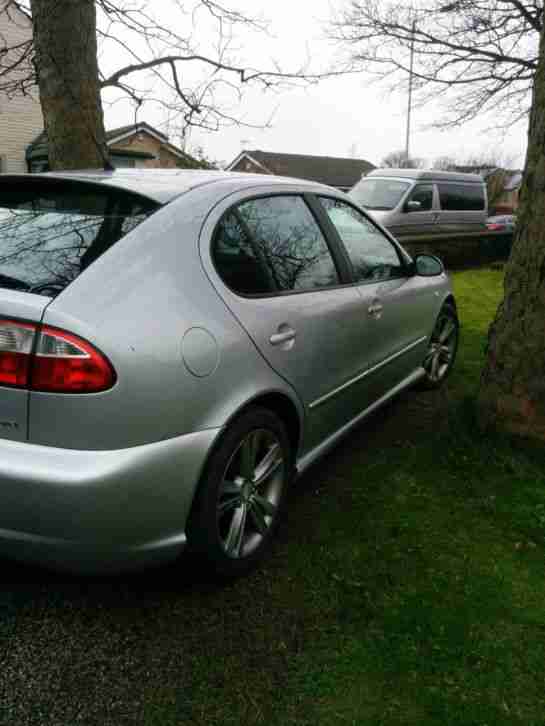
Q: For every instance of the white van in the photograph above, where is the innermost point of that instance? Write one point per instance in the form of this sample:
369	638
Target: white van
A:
417	203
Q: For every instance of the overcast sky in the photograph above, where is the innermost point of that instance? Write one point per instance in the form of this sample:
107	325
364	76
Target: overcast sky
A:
343	116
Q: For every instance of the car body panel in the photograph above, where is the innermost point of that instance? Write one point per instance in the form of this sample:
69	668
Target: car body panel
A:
93	511
410	223
329	325
402	330
133	304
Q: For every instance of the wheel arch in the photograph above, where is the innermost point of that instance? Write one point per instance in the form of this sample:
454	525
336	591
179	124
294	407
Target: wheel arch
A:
279	403
450	300
286	410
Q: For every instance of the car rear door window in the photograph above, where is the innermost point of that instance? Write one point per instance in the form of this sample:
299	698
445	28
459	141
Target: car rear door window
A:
272	245
373	256
51	231
461	197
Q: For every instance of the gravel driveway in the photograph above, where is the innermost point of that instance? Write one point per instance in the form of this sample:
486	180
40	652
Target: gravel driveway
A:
113	652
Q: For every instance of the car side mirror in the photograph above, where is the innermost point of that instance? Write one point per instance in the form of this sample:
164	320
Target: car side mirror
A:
428	266
413	206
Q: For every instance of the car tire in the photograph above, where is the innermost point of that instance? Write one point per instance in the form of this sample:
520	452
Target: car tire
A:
442	348
242	494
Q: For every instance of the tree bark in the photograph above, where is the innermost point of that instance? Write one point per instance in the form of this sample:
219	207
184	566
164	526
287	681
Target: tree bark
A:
67	68
512	392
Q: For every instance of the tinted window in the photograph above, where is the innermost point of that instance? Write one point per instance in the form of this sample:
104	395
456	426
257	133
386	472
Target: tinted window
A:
461	197
235	258
379	194
423	193
372	255
50	232
273	244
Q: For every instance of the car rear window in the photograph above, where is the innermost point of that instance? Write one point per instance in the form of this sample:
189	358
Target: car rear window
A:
51	230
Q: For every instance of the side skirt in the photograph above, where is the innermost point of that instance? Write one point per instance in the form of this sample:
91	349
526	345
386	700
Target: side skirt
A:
313	455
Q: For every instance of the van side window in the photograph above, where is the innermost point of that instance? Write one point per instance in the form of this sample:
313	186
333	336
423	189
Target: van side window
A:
461	197
422	193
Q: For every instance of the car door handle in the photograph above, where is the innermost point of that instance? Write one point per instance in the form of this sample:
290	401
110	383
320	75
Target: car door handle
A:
374	309
436	217
284	337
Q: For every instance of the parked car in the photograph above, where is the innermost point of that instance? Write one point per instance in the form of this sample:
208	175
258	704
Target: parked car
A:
417	203
504	223
175	347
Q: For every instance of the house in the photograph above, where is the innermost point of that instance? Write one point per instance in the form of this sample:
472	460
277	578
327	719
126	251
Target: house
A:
334	171
135	146
508	201
20	115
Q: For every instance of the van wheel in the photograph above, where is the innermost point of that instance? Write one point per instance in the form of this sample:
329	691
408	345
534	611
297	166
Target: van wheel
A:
242	493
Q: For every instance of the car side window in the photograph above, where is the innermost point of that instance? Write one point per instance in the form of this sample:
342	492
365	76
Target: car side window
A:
461	197
423	193
373	256
235	258
282	240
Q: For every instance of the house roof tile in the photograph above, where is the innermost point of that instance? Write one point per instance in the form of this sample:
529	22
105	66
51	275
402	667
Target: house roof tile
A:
332	170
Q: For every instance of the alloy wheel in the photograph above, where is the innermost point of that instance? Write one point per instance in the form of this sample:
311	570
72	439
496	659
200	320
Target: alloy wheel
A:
250	492
442	347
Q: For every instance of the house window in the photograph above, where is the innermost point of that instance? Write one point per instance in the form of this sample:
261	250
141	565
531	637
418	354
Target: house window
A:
38	167
123	162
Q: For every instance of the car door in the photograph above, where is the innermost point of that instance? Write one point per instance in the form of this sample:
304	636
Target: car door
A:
289	291
462	208
396	303
418	215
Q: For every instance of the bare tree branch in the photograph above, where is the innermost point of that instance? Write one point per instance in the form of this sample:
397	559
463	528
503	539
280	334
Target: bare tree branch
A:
162	53
478	56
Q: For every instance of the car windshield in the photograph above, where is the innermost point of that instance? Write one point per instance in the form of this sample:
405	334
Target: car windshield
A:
51	230
379	194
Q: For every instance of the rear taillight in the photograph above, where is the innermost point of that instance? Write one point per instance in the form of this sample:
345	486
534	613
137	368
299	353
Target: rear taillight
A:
41	358
495	227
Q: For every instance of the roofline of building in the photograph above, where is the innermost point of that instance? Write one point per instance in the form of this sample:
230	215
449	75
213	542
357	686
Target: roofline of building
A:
136	129
251	158
145	127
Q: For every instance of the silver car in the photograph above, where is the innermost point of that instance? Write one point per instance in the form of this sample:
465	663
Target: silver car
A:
176	347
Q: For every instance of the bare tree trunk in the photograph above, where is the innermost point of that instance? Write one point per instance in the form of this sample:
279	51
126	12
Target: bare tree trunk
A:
512	393
66	62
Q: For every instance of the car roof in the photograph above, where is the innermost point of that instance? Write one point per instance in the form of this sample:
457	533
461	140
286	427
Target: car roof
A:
428	174
164	185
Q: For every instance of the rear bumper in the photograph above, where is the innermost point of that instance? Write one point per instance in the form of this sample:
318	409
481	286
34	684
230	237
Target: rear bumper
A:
99	511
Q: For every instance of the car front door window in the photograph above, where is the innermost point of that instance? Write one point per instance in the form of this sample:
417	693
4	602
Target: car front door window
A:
423	194
373	257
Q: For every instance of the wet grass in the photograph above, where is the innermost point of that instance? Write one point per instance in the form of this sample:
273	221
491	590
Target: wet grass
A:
407	587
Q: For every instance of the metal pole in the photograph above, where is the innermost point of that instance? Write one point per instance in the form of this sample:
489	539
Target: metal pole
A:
410	101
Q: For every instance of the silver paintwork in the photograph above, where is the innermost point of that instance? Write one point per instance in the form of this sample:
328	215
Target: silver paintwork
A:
367	372
95	511
105	481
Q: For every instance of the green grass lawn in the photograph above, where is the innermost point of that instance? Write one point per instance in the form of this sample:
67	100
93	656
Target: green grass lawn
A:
408	586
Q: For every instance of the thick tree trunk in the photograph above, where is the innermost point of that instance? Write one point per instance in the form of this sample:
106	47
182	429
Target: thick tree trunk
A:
66	62
512	393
